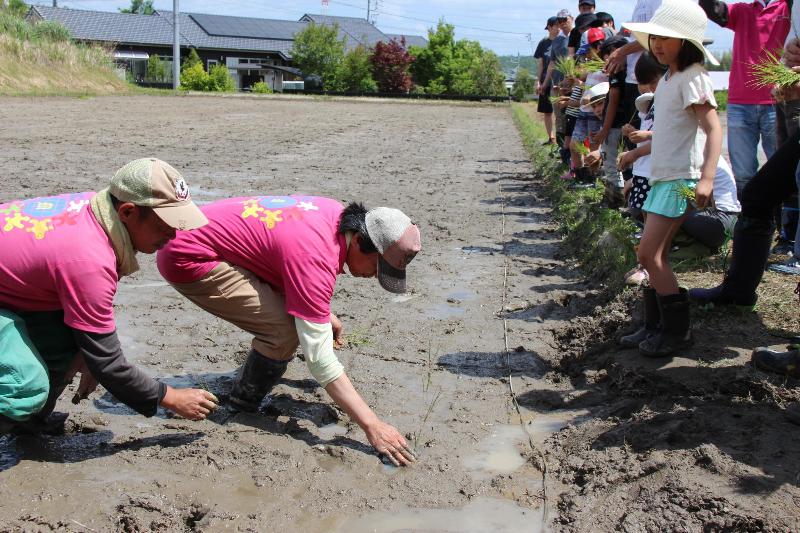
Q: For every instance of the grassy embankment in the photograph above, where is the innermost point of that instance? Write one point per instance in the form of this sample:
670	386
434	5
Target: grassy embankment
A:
42	59
603	242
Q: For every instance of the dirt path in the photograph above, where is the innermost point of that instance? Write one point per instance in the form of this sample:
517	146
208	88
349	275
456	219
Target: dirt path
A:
433	363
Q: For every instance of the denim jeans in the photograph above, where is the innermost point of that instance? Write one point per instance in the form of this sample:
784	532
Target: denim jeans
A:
747	123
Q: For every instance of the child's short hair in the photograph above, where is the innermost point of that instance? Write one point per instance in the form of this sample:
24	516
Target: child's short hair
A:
647	69
611	44
689	55
602	18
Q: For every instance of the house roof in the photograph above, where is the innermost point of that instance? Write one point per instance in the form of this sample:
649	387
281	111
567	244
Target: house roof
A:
411	40
109	26
354	30
220	32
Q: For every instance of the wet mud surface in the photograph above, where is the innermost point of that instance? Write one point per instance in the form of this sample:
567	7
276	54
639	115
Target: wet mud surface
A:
683	445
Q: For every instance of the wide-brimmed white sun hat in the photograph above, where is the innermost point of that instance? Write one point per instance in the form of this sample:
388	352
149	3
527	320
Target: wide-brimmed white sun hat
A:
680	19
597	92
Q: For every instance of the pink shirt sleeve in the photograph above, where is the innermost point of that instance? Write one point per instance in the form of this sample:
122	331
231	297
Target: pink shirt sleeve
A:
86	291
735	15
308	282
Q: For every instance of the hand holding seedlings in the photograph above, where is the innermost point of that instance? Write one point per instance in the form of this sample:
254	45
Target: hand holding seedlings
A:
193	404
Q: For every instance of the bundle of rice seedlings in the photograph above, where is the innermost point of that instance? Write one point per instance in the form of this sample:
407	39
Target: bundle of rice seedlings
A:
566	66
592	65
582	149
554	99
769	72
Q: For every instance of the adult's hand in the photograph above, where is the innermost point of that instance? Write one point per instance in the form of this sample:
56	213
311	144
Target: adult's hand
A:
599	137
626	160
338	331
387	440
593	158
193	404
88	383
640	136
616	61
791	54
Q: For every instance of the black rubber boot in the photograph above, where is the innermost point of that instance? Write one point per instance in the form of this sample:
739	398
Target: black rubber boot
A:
259	374
652	319
6	425
786	363
752	239
676	327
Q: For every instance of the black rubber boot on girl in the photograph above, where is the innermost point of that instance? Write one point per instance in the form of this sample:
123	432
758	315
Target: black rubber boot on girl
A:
652	320
676	328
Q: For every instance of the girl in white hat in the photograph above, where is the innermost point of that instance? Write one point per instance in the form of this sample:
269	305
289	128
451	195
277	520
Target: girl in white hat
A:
686	146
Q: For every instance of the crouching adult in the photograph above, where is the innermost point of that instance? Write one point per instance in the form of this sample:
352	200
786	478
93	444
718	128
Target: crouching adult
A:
61	258
268	264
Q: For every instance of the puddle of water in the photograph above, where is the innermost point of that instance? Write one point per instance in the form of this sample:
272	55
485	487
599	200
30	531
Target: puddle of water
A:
403	298
446	311
543	425
480	515
331	431
461	295
481	250
499	452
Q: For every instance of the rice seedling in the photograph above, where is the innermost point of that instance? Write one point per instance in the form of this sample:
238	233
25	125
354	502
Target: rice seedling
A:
555	99
566	66
769	72
592	65
582	149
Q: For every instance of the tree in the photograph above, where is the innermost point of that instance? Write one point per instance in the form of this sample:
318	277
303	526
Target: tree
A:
391	64
156	69
317	51
139	7
431	68
355	72
456	67
524	84
192	60
221	79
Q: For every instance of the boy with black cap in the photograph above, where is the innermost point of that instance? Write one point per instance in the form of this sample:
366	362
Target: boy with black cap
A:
542	54
582	21
61	258
268	264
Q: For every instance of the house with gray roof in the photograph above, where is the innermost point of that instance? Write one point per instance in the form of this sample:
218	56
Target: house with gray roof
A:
252	49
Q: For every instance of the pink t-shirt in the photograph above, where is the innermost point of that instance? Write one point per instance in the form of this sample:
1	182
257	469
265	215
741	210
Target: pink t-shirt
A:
757	29
290	242
54	255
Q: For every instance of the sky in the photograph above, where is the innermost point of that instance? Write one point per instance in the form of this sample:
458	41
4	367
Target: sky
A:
506	26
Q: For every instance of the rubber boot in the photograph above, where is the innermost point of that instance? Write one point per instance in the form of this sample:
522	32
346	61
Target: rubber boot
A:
259	374
676	328
6	425
786	363
752	239
652	319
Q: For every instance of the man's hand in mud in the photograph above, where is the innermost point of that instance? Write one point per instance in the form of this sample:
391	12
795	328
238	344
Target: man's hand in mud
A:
88	383
338	332
388	441
192	404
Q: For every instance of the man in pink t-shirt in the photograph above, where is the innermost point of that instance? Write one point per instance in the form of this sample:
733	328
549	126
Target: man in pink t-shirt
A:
61	258
268	264
760	26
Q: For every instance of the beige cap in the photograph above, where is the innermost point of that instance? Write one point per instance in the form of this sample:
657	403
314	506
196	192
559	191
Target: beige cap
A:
150	182
397	240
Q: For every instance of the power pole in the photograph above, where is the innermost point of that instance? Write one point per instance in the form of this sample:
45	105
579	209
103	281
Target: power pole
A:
176	47
55	3
369	7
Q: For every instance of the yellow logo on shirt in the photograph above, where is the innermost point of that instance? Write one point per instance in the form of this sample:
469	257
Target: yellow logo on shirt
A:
271	210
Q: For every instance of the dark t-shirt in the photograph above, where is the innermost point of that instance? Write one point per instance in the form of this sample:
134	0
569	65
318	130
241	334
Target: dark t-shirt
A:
558	49
543	52
574	38
623	114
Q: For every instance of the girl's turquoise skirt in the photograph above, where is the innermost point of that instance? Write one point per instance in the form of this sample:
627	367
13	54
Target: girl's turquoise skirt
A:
666	200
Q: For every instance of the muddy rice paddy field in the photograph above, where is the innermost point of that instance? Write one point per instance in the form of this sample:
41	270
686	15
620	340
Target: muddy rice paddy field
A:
598	440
